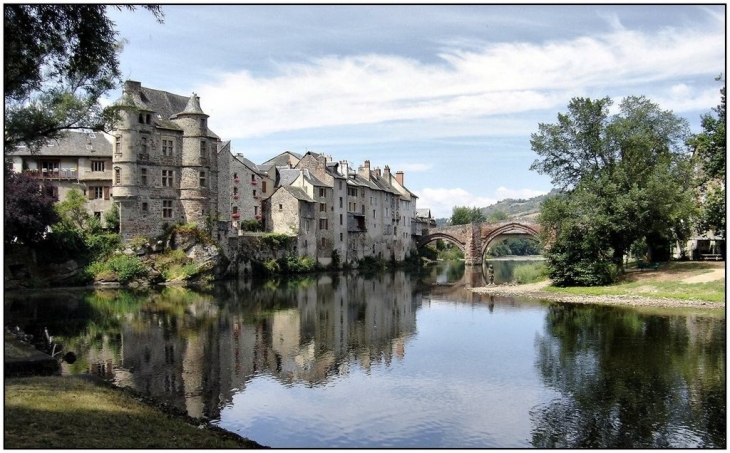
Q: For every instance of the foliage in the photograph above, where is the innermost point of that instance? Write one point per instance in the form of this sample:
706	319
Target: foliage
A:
711	156
124	267
277	239
336	260
371	264
73	211
59	60
111	217
497	216
461	215
252	225
28	208
515	246
530	273
625	178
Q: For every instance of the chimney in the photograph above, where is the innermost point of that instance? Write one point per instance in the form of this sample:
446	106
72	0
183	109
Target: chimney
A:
130	86
377	172
344	168
367	164
328	158
399	178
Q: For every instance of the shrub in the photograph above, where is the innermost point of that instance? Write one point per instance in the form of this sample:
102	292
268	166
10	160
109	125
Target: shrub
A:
276	239
530	273
124	267
252	225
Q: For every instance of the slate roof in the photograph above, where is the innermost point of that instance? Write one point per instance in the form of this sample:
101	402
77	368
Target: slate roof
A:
282	159
75	144
298	193
423	212
165	105
287	175
249	164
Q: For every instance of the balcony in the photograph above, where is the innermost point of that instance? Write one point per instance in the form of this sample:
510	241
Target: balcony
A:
56	175
236	215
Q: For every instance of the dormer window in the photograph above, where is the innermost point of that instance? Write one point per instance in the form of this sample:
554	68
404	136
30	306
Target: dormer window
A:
202	123
147	118
141	119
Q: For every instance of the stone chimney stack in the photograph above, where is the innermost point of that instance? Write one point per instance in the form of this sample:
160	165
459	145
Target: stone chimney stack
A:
386	173
399	178
377	172
344	168
367	164
130	86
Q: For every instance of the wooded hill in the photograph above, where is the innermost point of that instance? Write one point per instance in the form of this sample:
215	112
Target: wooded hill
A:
514	208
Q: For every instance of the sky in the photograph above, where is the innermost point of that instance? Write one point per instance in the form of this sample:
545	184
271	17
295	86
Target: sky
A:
448	94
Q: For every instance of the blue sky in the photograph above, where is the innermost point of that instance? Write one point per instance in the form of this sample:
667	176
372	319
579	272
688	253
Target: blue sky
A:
447	94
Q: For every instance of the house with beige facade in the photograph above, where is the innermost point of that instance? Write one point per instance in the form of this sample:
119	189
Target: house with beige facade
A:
81	161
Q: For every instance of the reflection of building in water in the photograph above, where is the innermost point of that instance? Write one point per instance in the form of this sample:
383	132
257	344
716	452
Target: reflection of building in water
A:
336	323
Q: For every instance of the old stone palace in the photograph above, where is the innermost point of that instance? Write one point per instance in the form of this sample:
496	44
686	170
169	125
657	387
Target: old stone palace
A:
163	165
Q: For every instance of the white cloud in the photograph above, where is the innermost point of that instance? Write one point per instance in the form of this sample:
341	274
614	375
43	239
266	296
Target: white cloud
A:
502	78
503	193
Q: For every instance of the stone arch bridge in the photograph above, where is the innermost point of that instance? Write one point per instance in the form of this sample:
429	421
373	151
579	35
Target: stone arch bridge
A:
474	239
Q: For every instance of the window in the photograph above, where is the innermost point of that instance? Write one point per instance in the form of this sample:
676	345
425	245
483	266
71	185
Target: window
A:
254	194
202	123
167	176
323	207
281	207
263	186
322	192
340	237
340	185
253	178
340	202
97	165
322	224
143	176
118	144
255	210
140	119
96	192
145	207
202	148
167	147
340	219
117	176
144	145
235	191
147	118
97	214
167	209
202	179
324	242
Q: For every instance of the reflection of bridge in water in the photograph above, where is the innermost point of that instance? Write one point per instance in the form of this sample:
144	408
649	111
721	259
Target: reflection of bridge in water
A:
474	239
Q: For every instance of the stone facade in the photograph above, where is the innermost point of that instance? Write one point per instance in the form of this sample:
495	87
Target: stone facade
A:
162	165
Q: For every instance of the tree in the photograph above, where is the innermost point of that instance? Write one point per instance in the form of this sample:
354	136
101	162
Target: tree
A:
112	218
711	158
625	178
73	212
59	60
28	208
497	216
461	215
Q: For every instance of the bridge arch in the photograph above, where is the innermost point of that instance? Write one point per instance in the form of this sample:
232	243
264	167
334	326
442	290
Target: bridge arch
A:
444	236
517	229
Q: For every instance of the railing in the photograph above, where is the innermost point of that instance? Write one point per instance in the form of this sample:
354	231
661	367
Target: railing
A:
52	175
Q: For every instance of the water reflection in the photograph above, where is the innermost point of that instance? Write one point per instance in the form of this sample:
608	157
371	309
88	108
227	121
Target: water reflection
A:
340	360
630	381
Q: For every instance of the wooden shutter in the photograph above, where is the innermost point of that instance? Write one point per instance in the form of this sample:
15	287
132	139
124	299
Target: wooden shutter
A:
106	192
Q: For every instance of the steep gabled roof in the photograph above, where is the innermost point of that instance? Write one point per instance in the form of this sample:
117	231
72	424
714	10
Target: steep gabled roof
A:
298	193
75	143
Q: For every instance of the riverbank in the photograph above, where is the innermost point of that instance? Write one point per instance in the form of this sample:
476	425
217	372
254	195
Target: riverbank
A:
691	284
70	412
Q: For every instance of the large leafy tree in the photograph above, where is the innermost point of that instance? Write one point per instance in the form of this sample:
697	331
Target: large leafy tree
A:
462	215
28	209
711	157
625	178
59	60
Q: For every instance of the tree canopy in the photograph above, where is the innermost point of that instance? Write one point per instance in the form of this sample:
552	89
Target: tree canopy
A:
711	157
28	208
462	215
625	178
59	60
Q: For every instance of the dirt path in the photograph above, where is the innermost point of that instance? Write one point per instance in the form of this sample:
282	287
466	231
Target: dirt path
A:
715	274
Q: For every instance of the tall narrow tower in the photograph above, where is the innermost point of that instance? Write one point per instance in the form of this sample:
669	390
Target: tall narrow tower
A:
198	148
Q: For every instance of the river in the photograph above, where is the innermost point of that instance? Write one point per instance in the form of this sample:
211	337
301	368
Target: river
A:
400	359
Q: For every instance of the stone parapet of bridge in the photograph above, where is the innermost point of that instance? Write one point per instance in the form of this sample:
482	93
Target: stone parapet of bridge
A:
474	239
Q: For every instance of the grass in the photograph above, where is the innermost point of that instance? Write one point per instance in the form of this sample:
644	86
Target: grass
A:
664	283
67	412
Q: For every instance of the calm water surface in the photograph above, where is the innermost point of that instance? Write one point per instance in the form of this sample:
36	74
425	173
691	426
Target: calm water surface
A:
400	360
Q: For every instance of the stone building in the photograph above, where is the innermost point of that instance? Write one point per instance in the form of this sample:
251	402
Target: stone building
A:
81	161
162	165
165	162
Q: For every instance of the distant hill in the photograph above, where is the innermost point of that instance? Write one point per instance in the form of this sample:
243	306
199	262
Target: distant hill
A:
514	208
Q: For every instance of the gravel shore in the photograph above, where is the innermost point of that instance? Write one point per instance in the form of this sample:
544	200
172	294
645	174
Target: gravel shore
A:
536	291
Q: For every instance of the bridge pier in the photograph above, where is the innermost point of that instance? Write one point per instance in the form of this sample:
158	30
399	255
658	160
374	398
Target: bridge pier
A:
473	246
